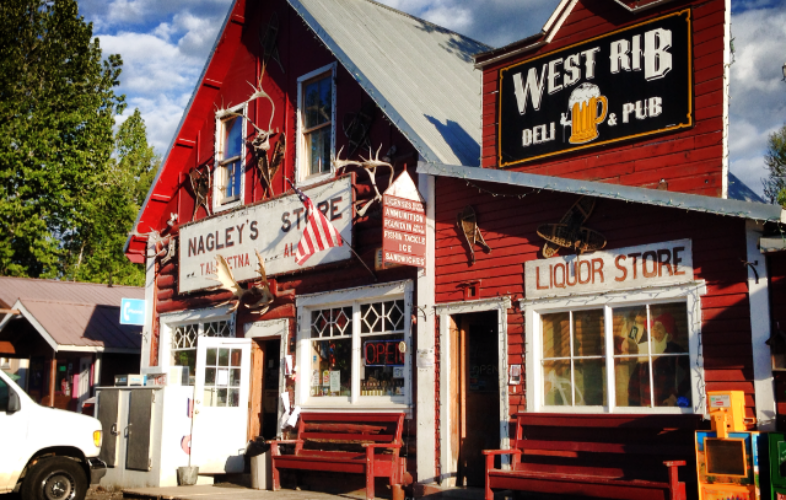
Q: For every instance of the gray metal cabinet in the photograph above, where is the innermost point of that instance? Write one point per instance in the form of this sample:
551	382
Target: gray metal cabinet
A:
140	413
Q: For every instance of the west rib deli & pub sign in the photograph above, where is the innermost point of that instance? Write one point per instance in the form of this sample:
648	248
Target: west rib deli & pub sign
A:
629	83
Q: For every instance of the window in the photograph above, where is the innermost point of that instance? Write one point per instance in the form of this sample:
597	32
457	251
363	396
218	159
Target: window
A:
356	351
615	355
222	377
230	152
316	102
184	342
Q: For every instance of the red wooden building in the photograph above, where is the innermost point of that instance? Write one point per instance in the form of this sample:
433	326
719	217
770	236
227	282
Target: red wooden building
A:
596	264
338	98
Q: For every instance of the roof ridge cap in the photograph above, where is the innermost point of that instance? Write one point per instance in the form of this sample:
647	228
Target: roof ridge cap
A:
65	302
420	19
65	282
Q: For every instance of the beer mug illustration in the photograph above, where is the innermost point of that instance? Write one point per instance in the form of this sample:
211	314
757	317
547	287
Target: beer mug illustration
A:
587	109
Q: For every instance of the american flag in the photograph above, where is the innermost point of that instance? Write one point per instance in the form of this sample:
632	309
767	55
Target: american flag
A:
319	234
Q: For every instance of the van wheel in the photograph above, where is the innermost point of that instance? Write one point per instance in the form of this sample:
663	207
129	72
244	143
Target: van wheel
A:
55	478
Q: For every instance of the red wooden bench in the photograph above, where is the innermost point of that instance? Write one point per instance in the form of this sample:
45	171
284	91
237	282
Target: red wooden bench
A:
605	456
325	442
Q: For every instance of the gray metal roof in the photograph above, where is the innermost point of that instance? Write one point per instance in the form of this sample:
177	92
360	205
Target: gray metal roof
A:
69	314
693	202
421	75
12	289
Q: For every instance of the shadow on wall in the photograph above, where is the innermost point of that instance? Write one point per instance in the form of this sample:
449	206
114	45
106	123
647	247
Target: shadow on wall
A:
463	145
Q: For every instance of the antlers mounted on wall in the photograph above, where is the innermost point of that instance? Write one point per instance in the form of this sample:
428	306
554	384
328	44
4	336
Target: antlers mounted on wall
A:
223	274
369	165
260	144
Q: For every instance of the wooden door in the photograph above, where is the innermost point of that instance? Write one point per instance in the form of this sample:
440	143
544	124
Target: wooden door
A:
479	394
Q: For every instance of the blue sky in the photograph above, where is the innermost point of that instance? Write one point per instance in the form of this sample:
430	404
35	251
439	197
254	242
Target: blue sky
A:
165	43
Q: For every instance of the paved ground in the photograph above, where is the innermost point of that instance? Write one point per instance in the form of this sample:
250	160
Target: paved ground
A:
225	491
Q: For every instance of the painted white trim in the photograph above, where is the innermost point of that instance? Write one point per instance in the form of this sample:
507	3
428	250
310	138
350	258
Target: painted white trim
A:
168	321
271	329
553	17
726	84
302	177
150	291
6	319
501	305
353	294
353	297
38	326
759	301
426	439
553	31
216	196
690	293
96	349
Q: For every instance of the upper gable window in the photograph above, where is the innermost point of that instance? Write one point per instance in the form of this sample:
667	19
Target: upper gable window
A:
316	123
230	154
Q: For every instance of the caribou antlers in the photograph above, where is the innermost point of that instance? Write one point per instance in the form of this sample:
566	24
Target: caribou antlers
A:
369	165
260	144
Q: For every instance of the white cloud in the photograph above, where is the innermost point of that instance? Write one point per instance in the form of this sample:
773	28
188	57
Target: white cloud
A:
495	22
161	66
758	96
165	45
109	14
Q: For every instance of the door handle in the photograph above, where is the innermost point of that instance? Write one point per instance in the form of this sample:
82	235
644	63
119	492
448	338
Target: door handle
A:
196	412
113	430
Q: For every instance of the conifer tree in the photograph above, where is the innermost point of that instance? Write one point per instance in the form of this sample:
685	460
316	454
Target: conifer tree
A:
57	111
775	158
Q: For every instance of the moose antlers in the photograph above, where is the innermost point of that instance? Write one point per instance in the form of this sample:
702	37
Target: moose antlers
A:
369	165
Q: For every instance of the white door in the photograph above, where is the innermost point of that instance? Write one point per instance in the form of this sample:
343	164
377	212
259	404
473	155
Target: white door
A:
84	381
218	439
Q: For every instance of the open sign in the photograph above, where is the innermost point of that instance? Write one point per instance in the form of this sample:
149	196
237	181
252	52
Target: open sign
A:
382	353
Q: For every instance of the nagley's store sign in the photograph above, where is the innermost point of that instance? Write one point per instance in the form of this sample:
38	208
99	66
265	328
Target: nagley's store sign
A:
629	83
657	264
273	228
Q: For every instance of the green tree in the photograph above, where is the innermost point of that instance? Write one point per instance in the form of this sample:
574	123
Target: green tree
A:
95	248
775	158
57	110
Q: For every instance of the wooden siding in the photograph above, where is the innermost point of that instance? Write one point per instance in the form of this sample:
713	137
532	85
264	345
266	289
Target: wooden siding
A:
509	226
690	161
300	53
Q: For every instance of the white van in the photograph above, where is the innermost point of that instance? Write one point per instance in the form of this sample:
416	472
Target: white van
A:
45	453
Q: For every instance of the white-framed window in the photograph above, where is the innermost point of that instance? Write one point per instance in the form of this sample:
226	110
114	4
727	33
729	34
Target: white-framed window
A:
624	352
180	333
228	178
316	124
354	348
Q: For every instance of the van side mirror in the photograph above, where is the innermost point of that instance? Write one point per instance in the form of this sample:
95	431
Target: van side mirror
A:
14	405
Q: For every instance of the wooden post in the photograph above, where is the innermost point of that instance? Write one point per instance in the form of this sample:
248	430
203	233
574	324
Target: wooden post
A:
52	379
258	360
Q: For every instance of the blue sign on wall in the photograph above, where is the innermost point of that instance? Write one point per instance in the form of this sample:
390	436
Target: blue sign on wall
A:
132	312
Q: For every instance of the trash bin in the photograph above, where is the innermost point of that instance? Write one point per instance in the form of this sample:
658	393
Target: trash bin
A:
187	476
259	453
261	476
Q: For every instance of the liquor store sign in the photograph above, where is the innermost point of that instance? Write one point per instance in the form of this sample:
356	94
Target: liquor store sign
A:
657	264
273	228
630	83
